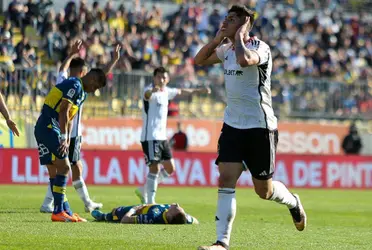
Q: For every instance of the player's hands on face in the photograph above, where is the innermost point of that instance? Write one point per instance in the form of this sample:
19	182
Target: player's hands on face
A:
117	52
63	148
12	126
76	47
242	30
221	34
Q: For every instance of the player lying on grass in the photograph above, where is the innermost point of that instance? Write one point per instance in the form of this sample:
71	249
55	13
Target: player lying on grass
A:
147	214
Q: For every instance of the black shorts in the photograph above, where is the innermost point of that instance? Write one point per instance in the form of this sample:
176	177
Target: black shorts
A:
156	151
255	148
74	150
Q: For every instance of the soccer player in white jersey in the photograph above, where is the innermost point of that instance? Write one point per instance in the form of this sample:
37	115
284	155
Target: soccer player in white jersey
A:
77	68
154	132
249	134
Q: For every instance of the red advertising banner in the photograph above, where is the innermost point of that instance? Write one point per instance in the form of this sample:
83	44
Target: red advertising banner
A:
21	166
294	137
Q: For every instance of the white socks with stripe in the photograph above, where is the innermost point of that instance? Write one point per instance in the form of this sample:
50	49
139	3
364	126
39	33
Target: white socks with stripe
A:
282	195
225	215
48	200
82	190
150	187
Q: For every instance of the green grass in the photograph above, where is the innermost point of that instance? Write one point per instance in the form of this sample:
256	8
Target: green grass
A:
336	220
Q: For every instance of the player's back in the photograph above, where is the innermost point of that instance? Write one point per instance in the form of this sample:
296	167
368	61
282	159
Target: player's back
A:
70	89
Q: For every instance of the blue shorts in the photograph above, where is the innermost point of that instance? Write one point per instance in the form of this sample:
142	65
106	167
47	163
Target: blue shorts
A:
48	141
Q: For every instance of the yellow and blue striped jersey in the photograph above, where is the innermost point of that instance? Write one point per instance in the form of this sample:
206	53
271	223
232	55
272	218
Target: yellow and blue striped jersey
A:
149	214
71	90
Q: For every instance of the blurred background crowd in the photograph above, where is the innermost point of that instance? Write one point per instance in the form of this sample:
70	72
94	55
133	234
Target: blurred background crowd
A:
322	50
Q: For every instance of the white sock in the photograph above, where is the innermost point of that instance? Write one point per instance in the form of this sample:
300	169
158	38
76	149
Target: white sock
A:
226	210
162	175
151	186
82	190
282	195
48	200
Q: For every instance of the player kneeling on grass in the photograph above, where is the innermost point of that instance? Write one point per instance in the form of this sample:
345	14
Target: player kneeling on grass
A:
147	214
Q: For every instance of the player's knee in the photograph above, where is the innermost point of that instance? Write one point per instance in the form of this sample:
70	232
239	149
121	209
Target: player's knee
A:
226	181
154	168
63	169
263	192
169	167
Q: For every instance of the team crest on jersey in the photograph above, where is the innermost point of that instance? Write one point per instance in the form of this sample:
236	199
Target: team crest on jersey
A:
71	93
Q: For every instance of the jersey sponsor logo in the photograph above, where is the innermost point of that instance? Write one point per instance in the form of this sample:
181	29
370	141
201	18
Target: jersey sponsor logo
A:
232	72
71	93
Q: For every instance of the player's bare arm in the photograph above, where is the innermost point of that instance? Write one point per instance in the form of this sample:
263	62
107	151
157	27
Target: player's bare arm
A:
63	123
207	55
74	53
115	59
244	56
70	125
5	112
195	91
130	217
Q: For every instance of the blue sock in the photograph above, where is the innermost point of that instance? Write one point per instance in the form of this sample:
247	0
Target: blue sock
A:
59	192
66	207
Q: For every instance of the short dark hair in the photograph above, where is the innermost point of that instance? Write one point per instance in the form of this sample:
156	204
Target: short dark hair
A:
100	75
180	218
243	11
77	63
160	70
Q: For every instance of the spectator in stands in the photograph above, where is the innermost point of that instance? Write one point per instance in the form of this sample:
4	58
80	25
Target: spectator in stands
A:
173	109
179	141
352	143
305	44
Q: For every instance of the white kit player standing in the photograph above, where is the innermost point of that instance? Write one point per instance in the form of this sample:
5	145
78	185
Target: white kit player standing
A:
154	141
249	134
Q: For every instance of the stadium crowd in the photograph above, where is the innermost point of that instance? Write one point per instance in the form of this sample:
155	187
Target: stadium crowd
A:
321	59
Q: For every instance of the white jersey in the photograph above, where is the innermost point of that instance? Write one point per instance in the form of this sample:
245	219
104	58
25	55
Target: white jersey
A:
249	103
76	126
155	113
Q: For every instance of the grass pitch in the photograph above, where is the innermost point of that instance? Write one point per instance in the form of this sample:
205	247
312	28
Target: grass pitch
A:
337	219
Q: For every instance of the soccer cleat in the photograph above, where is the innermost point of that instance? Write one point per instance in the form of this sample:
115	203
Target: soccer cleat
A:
98	215
140	192
92	206
63	217
78	218
216	246
298	214
46	209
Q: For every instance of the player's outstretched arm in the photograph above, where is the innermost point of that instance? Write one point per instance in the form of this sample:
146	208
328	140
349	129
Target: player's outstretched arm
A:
5	112
207	55
115	59
74	53
244	56
195	91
